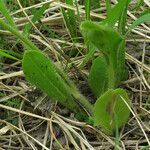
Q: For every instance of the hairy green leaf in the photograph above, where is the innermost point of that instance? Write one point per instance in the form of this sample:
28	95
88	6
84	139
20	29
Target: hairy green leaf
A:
111	44
98	77
122	71
104	38
40	71
110	109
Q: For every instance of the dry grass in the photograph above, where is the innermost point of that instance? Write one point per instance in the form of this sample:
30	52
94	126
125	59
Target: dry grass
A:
38	123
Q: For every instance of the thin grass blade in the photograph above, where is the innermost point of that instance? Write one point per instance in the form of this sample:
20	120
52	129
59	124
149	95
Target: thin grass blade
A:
142	19
14	31
89	55
70	20
4	54
115	13
122	19
36	17
6	14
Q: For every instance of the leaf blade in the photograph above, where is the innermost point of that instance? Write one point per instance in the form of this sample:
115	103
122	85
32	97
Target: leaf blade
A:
39	71
4	54
108	104
98	76
114	14
103	37
6	14
143	18
110	43
70	20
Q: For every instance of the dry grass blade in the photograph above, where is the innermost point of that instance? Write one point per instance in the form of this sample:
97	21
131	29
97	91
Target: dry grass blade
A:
4	130
14	74
71	129
137	119
24	112
40	124
131	58
12	126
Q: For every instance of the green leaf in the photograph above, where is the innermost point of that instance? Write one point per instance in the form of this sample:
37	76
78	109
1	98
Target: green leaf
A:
108	6
123	18
6	14
87	4
90	4
110	109
5	54
98	77
16	32
104	38
111	44
143	18
42	73
115	13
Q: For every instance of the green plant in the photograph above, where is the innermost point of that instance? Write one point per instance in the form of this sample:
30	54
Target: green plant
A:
42	72
108	69
112	60
106	73
6	14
